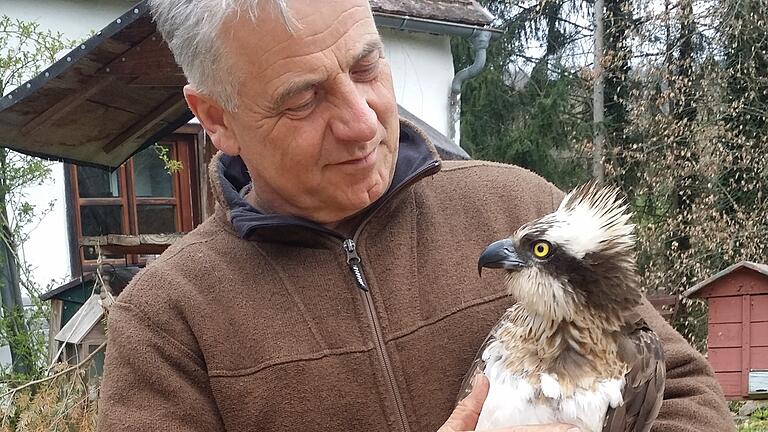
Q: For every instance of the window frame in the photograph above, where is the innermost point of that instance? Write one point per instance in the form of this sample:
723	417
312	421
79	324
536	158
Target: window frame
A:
182	148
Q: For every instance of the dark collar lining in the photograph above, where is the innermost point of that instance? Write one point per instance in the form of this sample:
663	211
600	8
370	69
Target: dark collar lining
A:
416	158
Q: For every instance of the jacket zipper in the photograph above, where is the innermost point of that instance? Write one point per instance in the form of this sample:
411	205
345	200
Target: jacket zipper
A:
355	266
353	261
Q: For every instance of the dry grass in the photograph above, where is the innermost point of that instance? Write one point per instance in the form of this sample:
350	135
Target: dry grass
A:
64	403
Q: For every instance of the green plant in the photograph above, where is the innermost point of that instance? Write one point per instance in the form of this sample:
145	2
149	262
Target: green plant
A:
760	414
735	406
171	165
753	426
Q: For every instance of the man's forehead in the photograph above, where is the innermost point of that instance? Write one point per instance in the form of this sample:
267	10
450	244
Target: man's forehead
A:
262	44
303	80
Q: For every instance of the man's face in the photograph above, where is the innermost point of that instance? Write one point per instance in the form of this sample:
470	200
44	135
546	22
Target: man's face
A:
317	122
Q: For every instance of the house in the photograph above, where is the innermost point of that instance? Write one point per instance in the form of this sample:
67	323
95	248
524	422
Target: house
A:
112	108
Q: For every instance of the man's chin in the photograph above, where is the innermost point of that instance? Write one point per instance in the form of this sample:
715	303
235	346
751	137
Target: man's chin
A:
358	202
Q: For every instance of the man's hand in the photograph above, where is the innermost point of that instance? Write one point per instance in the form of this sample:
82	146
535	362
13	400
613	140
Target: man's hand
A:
465	415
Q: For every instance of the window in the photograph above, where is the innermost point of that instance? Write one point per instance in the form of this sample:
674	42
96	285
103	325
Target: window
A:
140	197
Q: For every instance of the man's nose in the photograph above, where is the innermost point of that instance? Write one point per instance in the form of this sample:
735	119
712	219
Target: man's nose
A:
354	120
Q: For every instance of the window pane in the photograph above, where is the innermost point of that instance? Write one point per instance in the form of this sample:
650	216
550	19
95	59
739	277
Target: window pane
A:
101	220
150	176
97	183
157	219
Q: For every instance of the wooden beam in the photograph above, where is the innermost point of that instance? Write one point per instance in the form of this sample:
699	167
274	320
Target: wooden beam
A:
67	104
157	80
189	128
144	244
146	122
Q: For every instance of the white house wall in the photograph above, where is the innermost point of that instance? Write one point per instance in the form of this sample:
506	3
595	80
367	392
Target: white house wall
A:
74	18
422	68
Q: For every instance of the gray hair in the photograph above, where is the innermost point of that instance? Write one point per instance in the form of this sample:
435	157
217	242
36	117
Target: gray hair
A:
191	29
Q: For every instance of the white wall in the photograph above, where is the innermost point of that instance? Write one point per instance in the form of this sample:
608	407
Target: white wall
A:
422	68
74	18
48	249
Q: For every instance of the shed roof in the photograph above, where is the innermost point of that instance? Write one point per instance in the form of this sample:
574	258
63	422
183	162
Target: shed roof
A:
121	90
58	291
82	322
118	278
760	268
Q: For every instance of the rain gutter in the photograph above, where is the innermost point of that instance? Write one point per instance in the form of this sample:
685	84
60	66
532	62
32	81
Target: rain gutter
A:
480	37
480	42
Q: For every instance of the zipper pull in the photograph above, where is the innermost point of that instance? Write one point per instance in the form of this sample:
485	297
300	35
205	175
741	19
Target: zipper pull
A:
355	266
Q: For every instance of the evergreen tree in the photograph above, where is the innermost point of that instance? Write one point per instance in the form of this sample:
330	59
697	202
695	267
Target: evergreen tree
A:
535	119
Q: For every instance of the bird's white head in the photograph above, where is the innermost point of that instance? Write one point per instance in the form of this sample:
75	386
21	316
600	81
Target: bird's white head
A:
580	256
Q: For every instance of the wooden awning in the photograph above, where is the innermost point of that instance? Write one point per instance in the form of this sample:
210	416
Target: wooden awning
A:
115	94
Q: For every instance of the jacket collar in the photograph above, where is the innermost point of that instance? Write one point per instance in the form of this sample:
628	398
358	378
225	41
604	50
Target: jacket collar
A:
417	158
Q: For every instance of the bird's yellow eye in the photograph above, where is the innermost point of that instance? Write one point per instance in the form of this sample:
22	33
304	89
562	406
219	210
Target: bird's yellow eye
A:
541	249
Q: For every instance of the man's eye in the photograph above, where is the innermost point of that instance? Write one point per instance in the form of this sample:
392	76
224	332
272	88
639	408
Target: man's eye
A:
367	72
302	106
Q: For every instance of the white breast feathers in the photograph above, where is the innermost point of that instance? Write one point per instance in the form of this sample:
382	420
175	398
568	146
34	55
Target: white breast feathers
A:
514	401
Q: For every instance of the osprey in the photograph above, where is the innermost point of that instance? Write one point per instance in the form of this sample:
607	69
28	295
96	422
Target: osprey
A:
572	349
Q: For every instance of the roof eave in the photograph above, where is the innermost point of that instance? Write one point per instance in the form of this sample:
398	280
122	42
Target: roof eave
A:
760	268
432	26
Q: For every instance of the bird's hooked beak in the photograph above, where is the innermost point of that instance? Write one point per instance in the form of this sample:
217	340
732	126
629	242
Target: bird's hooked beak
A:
500	254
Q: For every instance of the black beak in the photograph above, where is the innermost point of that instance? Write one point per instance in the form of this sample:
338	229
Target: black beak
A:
500	254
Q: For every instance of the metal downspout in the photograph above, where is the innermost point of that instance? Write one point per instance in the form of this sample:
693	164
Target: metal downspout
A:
480	41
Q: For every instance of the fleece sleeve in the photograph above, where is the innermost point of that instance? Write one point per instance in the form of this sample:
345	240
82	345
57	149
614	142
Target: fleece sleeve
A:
693	401
151	381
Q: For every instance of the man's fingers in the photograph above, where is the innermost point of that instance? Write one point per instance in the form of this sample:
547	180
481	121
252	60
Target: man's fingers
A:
464	416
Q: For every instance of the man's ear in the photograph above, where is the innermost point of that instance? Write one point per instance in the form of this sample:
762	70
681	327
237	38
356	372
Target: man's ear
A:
213	118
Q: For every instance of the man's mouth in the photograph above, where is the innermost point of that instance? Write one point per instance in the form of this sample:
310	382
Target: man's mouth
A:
368	159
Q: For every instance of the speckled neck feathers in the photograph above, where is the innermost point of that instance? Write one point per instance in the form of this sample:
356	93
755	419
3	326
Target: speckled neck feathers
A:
579	352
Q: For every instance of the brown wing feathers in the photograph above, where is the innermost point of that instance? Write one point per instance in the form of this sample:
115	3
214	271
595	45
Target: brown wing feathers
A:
644	389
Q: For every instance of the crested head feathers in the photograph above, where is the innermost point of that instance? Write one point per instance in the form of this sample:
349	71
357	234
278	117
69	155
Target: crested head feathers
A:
590	219
579	257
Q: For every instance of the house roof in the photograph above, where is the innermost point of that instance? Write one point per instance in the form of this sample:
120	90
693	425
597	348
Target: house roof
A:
121	90
457	11
760	268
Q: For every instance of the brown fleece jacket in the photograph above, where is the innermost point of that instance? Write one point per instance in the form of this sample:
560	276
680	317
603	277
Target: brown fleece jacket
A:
222	333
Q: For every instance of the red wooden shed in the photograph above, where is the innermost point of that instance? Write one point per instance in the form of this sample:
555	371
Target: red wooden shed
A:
737	343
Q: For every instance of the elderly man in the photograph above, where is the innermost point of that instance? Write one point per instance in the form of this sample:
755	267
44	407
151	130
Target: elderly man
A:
335	286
